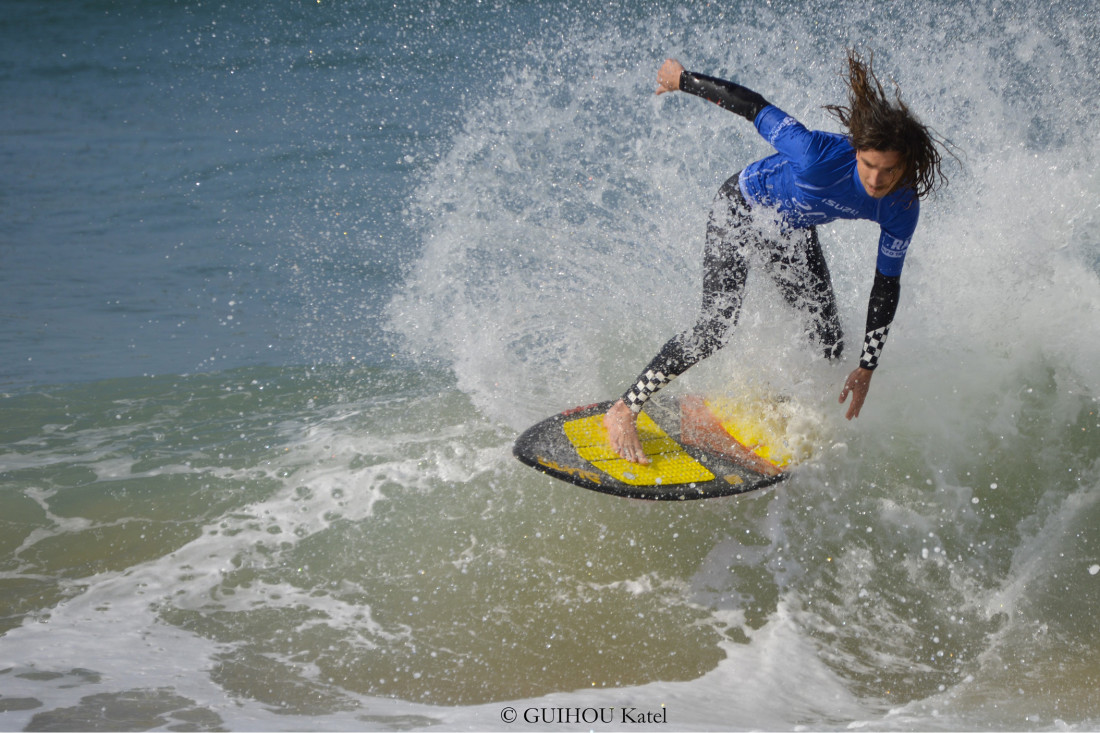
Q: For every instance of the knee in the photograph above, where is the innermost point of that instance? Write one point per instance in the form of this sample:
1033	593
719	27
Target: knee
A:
709	336
730	189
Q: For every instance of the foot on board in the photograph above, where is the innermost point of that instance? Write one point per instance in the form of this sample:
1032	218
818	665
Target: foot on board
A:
622	433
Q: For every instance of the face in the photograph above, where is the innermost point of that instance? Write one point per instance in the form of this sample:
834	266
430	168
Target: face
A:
880	171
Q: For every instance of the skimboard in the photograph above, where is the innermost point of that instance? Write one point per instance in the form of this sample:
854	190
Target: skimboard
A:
699	448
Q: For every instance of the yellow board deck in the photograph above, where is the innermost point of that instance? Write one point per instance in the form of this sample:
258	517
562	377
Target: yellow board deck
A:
670	463
697	447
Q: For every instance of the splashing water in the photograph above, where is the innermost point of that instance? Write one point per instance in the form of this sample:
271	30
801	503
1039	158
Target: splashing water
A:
353	546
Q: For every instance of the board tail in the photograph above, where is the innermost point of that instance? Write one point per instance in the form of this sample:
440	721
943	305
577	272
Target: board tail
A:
700	428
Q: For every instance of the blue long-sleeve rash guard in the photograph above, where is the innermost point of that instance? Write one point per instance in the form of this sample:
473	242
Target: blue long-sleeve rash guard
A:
812	179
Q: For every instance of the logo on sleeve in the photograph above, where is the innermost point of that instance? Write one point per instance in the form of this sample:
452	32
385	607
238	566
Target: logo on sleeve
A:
894	247
787	122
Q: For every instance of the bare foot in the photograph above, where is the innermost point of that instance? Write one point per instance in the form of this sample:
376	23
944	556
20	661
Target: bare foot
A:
622	433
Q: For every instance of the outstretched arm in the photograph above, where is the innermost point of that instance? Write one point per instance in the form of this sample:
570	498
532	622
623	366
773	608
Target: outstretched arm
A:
880	314
672	76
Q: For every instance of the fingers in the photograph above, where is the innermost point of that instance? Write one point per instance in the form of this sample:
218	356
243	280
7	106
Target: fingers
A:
855	407
857	400
857	385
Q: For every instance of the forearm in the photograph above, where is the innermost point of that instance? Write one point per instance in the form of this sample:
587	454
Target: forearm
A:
725	94
880	314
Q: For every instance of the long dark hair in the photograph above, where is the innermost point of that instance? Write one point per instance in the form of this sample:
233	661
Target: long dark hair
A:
876	123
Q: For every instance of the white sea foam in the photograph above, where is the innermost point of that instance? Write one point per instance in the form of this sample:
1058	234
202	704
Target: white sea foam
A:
370	556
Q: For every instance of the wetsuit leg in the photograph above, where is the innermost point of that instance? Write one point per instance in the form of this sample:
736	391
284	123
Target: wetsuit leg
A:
802	274
725	268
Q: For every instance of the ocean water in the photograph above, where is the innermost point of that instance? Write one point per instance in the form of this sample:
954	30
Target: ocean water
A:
280	283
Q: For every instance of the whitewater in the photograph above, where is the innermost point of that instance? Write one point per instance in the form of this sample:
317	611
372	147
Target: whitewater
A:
281	285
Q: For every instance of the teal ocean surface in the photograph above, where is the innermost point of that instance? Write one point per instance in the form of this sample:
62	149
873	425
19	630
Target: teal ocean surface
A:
280	283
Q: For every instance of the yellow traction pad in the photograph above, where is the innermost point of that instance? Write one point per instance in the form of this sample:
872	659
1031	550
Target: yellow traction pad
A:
754	426
669	465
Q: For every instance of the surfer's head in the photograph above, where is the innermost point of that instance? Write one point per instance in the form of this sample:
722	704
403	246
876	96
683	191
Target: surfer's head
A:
878	127
880	171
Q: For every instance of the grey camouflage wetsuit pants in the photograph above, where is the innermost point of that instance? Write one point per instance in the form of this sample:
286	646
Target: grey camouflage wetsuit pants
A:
792	258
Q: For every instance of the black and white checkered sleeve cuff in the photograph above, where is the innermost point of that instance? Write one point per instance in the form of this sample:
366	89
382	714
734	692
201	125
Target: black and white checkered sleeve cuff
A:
873	343
648	385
